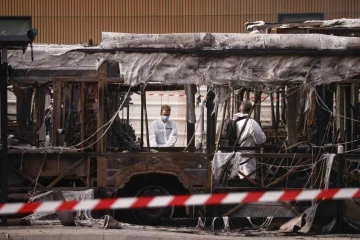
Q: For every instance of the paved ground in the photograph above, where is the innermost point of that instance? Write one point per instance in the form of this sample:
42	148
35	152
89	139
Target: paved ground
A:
80	233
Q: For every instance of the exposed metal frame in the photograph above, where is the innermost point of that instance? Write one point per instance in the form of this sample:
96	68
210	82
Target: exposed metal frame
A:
4	127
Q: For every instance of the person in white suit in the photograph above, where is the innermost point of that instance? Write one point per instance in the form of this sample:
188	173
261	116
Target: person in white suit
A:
252	135
163	132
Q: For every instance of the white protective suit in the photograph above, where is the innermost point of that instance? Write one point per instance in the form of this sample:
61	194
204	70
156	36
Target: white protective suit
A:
251	136
163	134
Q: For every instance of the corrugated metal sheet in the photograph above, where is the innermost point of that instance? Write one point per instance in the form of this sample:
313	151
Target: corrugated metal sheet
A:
76	21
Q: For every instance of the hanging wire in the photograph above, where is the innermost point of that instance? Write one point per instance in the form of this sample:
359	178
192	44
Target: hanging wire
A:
328	110
37	178
197	124
110	122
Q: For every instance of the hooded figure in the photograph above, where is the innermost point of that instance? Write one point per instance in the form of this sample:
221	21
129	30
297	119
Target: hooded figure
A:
163	132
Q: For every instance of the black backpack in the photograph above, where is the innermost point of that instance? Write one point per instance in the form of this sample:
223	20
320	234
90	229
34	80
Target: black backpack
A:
229	130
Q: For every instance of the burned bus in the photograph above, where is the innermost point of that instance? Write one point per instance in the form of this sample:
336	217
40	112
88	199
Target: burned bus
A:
74	126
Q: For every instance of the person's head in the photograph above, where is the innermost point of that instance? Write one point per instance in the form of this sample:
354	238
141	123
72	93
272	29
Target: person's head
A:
245	107
165	112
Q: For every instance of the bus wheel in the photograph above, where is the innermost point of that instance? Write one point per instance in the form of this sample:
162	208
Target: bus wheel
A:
152	216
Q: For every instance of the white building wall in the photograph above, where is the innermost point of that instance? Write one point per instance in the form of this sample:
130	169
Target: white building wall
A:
177	101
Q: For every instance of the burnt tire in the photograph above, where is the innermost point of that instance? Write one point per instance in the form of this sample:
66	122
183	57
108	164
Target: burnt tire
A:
152	216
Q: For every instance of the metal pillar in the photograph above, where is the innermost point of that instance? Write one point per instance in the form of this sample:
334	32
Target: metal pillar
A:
4	132
210	122
190	116
340	184
142	119
323	116
348	108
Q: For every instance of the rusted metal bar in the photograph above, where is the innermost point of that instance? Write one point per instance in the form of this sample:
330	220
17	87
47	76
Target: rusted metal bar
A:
88	172
69	115
233	101
340	166
56	113
347	117
77	163
190	116
211	122
146	117
4	130
262	170
340	123
240	98
291	208
179	153
351	157
82	114
291	119
37	119
283	106
288	173
247	95
257	109
354	114
347	173
297	144
340	184
24	175
234	209
277	110
222	126
323	116
249	179
273	119
142	121
101	109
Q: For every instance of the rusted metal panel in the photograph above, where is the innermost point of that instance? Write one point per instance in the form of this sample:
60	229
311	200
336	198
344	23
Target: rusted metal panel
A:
23	108
191	169
65	172
56	113
101	171
101	144
73	22
29	166
82	114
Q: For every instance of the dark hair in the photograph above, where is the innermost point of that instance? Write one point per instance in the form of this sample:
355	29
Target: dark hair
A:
246	106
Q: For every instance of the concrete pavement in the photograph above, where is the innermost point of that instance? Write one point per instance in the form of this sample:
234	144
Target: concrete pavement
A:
144	233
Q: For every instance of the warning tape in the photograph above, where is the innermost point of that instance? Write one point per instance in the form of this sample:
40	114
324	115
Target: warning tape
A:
180	200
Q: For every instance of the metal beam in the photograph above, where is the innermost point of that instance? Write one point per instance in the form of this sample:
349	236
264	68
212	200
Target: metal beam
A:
4	131
211	122
230	52
24	175
291	116
77	163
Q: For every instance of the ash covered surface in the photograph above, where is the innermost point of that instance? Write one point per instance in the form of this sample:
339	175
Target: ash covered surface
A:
54	228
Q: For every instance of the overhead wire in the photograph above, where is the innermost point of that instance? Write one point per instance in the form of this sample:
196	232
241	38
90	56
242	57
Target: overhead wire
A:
110	122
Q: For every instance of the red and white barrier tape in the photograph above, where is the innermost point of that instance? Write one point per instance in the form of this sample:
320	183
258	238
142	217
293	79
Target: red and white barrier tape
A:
180	200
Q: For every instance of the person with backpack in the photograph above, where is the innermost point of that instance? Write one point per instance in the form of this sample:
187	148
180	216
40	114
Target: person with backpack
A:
252	135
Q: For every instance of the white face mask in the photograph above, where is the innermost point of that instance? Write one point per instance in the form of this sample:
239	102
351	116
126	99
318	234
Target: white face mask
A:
165	118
